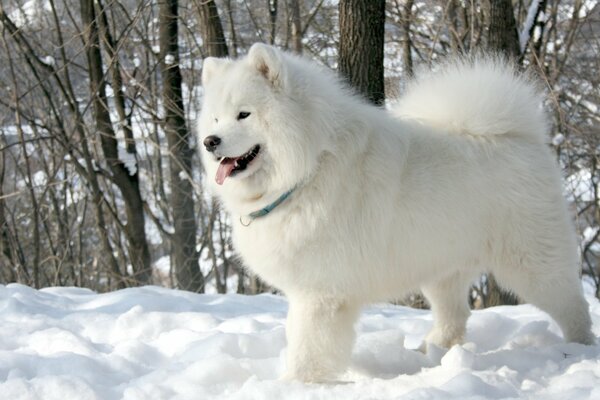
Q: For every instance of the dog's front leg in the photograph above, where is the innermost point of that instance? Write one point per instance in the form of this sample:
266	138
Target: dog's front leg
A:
320	335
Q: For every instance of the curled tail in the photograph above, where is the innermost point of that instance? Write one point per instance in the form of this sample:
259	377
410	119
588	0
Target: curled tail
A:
480	96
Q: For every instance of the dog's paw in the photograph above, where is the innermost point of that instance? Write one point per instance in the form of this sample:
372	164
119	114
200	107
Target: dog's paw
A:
432	351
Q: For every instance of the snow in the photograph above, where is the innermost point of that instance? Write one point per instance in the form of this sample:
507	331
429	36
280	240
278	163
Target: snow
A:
39	179
586	8
588	235
169	59
529	21
183	176
151	342
163	265
48	60
579	186
128	159
29	13
558	139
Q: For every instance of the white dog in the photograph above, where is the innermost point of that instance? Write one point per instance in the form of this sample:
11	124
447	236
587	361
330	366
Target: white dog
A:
338	203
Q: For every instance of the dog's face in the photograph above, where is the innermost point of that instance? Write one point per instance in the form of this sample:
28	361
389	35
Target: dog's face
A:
253	130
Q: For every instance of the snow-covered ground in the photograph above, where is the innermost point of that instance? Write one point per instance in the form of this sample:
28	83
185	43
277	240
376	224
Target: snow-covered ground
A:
156	343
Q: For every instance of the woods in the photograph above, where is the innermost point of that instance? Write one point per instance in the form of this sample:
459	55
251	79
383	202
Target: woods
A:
362	28
100	181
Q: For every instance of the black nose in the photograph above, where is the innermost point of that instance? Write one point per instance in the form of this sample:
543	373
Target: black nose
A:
211	142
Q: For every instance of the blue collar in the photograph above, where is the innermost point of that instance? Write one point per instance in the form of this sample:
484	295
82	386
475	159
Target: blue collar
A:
267	209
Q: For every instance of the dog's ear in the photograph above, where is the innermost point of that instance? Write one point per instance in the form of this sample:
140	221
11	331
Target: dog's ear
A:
211	67
268	61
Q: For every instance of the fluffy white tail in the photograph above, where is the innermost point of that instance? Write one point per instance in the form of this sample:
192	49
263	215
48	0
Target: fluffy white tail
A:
479	96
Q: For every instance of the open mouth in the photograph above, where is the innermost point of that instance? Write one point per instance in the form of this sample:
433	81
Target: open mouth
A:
229	166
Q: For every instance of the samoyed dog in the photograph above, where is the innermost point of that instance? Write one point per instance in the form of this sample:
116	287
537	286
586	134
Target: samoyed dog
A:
338	203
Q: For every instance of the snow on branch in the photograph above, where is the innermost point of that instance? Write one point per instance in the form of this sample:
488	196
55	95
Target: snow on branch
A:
528	25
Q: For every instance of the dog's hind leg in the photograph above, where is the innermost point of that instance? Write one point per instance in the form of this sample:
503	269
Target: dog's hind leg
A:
556	291
450	308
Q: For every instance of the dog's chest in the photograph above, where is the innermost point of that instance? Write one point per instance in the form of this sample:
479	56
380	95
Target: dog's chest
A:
256	243
271	249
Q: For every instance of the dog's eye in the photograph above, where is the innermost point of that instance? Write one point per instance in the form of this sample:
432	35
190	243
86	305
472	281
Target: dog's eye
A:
243	115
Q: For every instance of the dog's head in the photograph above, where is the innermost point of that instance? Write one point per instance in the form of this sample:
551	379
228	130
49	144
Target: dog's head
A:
255	129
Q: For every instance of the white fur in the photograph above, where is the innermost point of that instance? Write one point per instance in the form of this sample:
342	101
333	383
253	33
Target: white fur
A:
483	96
462	183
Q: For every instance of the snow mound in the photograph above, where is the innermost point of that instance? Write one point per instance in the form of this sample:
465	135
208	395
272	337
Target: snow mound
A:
150	342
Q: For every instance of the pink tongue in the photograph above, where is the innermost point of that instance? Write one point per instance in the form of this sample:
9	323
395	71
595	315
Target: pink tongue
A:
224	170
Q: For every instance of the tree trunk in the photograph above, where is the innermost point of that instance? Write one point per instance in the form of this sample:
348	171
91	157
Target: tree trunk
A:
502	38
125	180
211	29
502	30
296	26
187	271
362	27
406	42
232	32
10	262
272	6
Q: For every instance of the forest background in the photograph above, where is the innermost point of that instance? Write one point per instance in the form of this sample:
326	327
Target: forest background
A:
100	179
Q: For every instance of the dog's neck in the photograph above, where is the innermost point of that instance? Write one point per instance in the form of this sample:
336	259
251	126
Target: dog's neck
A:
264	211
